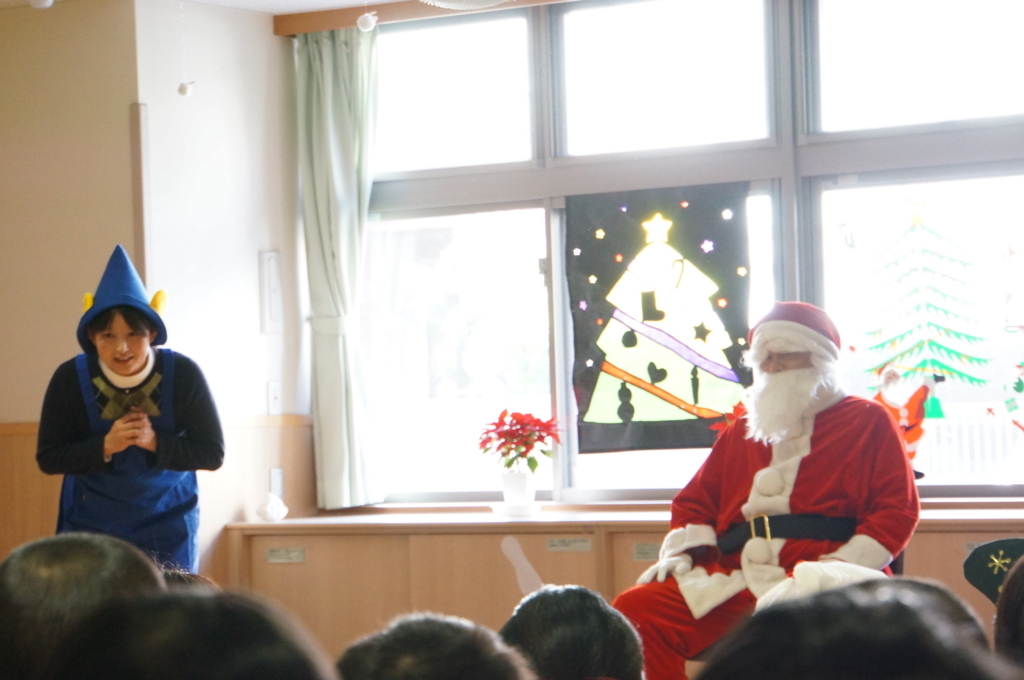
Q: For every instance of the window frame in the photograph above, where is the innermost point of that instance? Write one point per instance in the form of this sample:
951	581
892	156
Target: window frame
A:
793	164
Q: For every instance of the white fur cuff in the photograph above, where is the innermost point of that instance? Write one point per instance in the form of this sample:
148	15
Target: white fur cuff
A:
862	550
673	544
682	539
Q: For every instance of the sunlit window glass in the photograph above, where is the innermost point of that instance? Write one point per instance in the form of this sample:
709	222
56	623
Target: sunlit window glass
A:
664	73
924	282
886	63
453	94
455	329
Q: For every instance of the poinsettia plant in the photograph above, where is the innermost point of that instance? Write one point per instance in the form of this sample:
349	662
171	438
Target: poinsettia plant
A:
515	436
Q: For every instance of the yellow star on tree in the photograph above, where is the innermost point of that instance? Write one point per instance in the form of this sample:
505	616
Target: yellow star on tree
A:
657	229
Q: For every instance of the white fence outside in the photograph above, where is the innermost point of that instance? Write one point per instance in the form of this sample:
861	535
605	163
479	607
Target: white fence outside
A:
971	450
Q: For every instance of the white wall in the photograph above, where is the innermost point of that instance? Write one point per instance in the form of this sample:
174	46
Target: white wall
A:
67	80
222	187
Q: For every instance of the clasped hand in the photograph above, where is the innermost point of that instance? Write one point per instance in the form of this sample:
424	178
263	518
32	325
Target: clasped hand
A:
131	429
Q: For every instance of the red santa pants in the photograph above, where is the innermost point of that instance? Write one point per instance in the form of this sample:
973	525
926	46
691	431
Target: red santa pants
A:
668	631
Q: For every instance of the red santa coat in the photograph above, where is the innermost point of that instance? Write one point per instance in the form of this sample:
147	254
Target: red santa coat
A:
856	468
851	463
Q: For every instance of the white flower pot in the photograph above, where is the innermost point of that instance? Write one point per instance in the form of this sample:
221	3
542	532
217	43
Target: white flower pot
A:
518	488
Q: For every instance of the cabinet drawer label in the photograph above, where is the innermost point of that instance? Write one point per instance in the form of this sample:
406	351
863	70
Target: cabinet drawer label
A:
286	555
569	545
646	552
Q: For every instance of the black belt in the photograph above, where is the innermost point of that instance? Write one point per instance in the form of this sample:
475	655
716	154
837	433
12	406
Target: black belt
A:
817	527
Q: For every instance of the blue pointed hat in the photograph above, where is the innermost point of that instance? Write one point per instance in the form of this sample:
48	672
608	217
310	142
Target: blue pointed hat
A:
121	286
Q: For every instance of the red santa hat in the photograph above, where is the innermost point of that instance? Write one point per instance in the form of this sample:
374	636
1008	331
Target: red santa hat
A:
796	327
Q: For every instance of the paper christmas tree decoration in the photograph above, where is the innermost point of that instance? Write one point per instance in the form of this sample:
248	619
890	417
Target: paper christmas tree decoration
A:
658	284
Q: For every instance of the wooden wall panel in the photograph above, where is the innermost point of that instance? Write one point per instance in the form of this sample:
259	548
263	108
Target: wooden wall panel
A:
940	557
346	587
470	575
629	559
28	498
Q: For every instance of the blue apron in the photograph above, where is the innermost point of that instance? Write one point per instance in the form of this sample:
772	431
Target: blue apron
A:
156	510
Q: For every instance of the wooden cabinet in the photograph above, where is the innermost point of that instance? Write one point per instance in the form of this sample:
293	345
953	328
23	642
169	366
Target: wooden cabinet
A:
347	576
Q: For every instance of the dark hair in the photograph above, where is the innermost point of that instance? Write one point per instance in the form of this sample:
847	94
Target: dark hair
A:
571	633
1008	633
48	585
852	634
135	319
356	663
434	647
176	577
933	601
189	634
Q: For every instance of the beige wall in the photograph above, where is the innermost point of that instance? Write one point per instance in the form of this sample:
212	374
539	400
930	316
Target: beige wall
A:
67	79
220	175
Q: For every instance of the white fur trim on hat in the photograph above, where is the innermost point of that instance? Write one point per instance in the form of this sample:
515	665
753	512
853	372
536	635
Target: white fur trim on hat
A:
789	336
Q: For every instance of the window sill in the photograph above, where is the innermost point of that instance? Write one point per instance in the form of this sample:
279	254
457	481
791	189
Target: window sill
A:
971	504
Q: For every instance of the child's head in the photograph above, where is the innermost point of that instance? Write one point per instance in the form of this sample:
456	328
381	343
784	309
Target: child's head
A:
122	337
570	633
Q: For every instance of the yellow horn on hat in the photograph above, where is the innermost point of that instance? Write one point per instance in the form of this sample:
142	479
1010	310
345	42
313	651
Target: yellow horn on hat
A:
87	302
159	302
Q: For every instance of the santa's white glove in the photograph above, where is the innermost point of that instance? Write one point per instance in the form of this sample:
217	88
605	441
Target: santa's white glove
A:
677	565
814	577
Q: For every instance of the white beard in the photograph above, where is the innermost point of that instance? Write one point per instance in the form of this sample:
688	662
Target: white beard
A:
777	403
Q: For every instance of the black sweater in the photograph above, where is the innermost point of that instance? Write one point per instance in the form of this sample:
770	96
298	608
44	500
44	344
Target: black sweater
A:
67	444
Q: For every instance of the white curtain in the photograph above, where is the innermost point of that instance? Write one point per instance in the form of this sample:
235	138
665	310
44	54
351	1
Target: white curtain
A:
337	91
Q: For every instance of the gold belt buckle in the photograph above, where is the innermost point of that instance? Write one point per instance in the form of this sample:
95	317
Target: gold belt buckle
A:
767	527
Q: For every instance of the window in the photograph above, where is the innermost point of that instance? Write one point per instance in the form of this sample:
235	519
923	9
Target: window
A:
925	62
453	94
637	95
663	73
924	281
455	330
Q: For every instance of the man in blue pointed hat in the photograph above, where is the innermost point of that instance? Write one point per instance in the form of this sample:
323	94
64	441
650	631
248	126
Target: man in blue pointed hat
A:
128	424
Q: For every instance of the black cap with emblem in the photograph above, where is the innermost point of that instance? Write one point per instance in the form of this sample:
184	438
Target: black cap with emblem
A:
987	565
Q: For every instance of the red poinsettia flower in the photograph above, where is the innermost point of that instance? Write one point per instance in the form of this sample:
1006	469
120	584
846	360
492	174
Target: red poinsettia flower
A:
515	436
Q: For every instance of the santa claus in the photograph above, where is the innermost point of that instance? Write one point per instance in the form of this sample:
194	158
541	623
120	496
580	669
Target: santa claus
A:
809	476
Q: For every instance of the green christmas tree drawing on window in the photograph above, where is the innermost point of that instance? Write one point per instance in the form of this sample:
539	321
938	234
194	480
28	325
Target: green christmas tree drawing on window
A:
929	331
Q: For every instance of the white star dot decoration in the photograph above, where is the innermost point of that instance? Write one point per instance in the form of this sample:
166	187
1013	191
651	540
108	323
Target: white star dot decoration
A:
726	214
592	279
707	246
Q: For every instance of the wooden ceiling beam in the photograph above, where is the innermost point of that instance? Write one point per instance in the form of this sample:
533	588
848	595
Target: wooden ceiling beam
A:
389	12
